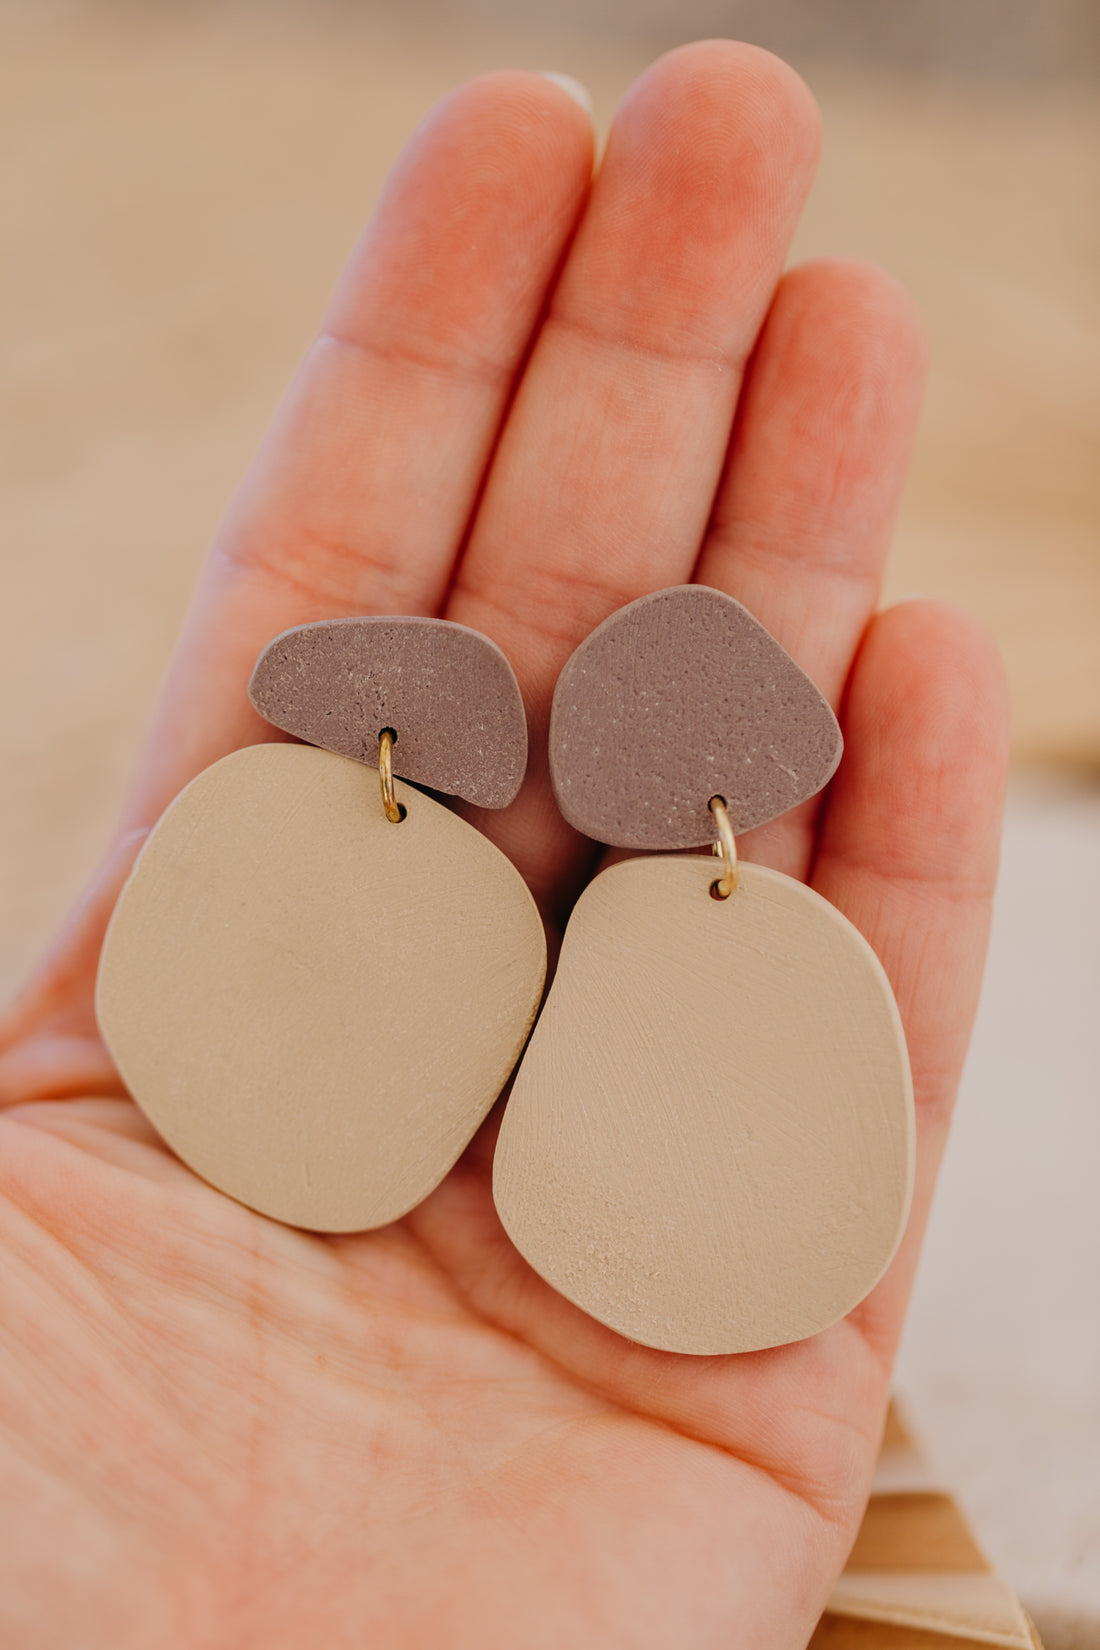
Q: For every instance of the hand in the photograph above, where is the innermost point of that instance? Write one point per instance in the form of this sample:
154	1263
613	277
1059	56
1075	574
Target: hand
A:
529	404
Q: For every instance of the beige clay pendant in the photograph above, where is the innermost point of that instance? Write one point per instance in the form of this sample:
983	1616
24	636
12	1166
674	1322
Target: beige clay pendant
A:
316	1001
708	1145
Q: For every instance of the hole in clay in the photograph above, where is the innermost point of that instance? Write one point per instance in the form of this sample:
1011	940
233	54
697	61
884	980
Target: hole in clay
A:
391	733
716	891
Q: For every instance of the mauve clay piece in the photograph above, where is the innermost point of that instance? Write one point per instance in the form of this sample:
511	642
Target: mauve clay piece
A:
679	697
448	693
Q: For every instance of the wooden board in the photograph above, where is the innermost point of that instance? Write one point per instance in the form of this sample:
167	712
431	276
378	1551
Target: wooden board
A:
917	1578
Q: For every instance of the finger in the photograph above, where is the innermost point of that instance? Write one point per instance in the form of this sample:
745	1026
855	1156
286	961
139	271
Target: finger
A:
605	475
816	466
362	491
909	851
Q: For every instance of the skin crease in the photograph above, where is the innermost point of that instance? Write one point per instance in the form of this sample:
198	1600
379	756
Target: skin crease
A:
218	1432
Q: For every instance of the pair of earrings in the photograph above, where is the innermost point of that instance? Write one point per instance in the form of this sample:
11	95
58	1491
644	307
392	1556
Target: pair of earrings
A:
318	980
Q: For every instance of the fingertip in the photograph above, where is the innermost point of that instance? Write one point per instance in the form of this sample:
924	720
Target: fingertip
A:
946	665
523	107
926	724
844	344
860	298
824	431
708	163
511	138
476	212
729	84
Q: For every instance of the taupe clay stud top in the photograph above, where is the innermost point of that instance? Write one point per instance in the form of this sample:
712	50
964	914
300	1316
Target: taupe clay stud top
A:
679	697
447	692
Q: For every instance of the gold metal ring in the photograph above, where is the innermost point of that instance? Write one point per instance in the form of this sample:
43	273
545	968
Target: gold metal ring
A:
395	813
725	848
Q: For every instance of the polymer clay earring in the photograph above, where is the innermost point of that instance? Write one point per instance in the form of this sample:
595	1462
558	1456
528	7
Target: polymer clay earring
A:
709	1143
318	979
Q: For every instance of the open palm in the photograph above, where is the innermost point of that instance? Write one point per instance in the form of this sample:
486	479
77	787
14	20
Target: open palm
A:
533	400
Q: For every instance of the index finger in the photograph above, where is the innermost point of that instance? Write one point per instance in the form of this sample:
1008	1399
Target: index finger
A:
360	496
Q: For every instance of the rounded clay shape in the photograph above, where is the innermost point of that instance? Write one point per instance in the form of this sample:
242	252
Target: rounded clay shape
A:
446	691
316	1008
709	1143
678	697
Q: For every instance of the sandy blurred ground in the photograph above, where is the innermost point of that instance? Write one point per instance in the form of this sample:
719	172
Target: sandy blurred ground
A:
179	188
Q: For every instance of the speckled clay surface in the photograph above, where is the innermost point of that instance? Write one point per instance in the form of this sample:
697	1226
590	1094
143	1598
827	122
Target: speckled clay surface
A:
448	693
674	699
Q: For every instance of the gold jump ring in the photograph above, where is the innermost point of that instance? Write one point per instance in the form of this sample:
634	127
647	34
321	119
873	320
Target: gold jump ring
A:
725	848
395	813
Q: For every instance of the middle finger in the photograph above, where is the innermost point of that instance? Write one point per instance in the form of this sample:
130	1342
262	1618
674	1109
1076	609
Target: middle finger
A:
607	468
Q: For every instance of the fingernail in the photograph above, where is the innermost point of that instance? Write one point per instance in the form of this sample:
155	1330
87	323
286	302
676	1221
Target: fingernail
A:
572	88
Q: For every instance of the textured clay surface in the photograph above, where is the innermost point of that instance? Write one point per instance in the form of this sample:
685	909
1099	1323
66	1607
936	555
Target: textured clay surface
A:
315	1007
448	693
709	1142
679	697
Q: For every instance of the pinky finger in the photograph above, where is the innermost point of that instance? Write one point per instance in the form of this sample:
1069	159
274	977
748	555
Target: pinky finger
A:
909	851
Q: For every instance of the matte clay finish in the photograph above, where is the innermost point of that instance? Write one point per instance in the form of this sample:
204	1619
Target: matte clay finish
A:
448	693
709	1143
679	697
315	1007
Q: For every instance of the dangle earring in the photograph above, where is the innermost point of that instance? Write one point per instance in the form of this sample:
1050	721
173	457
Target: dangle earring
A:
709	1143
317	980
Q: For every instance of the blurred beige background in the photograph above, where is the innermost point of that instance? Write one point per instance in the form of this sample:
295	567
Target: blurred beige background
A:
179	186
